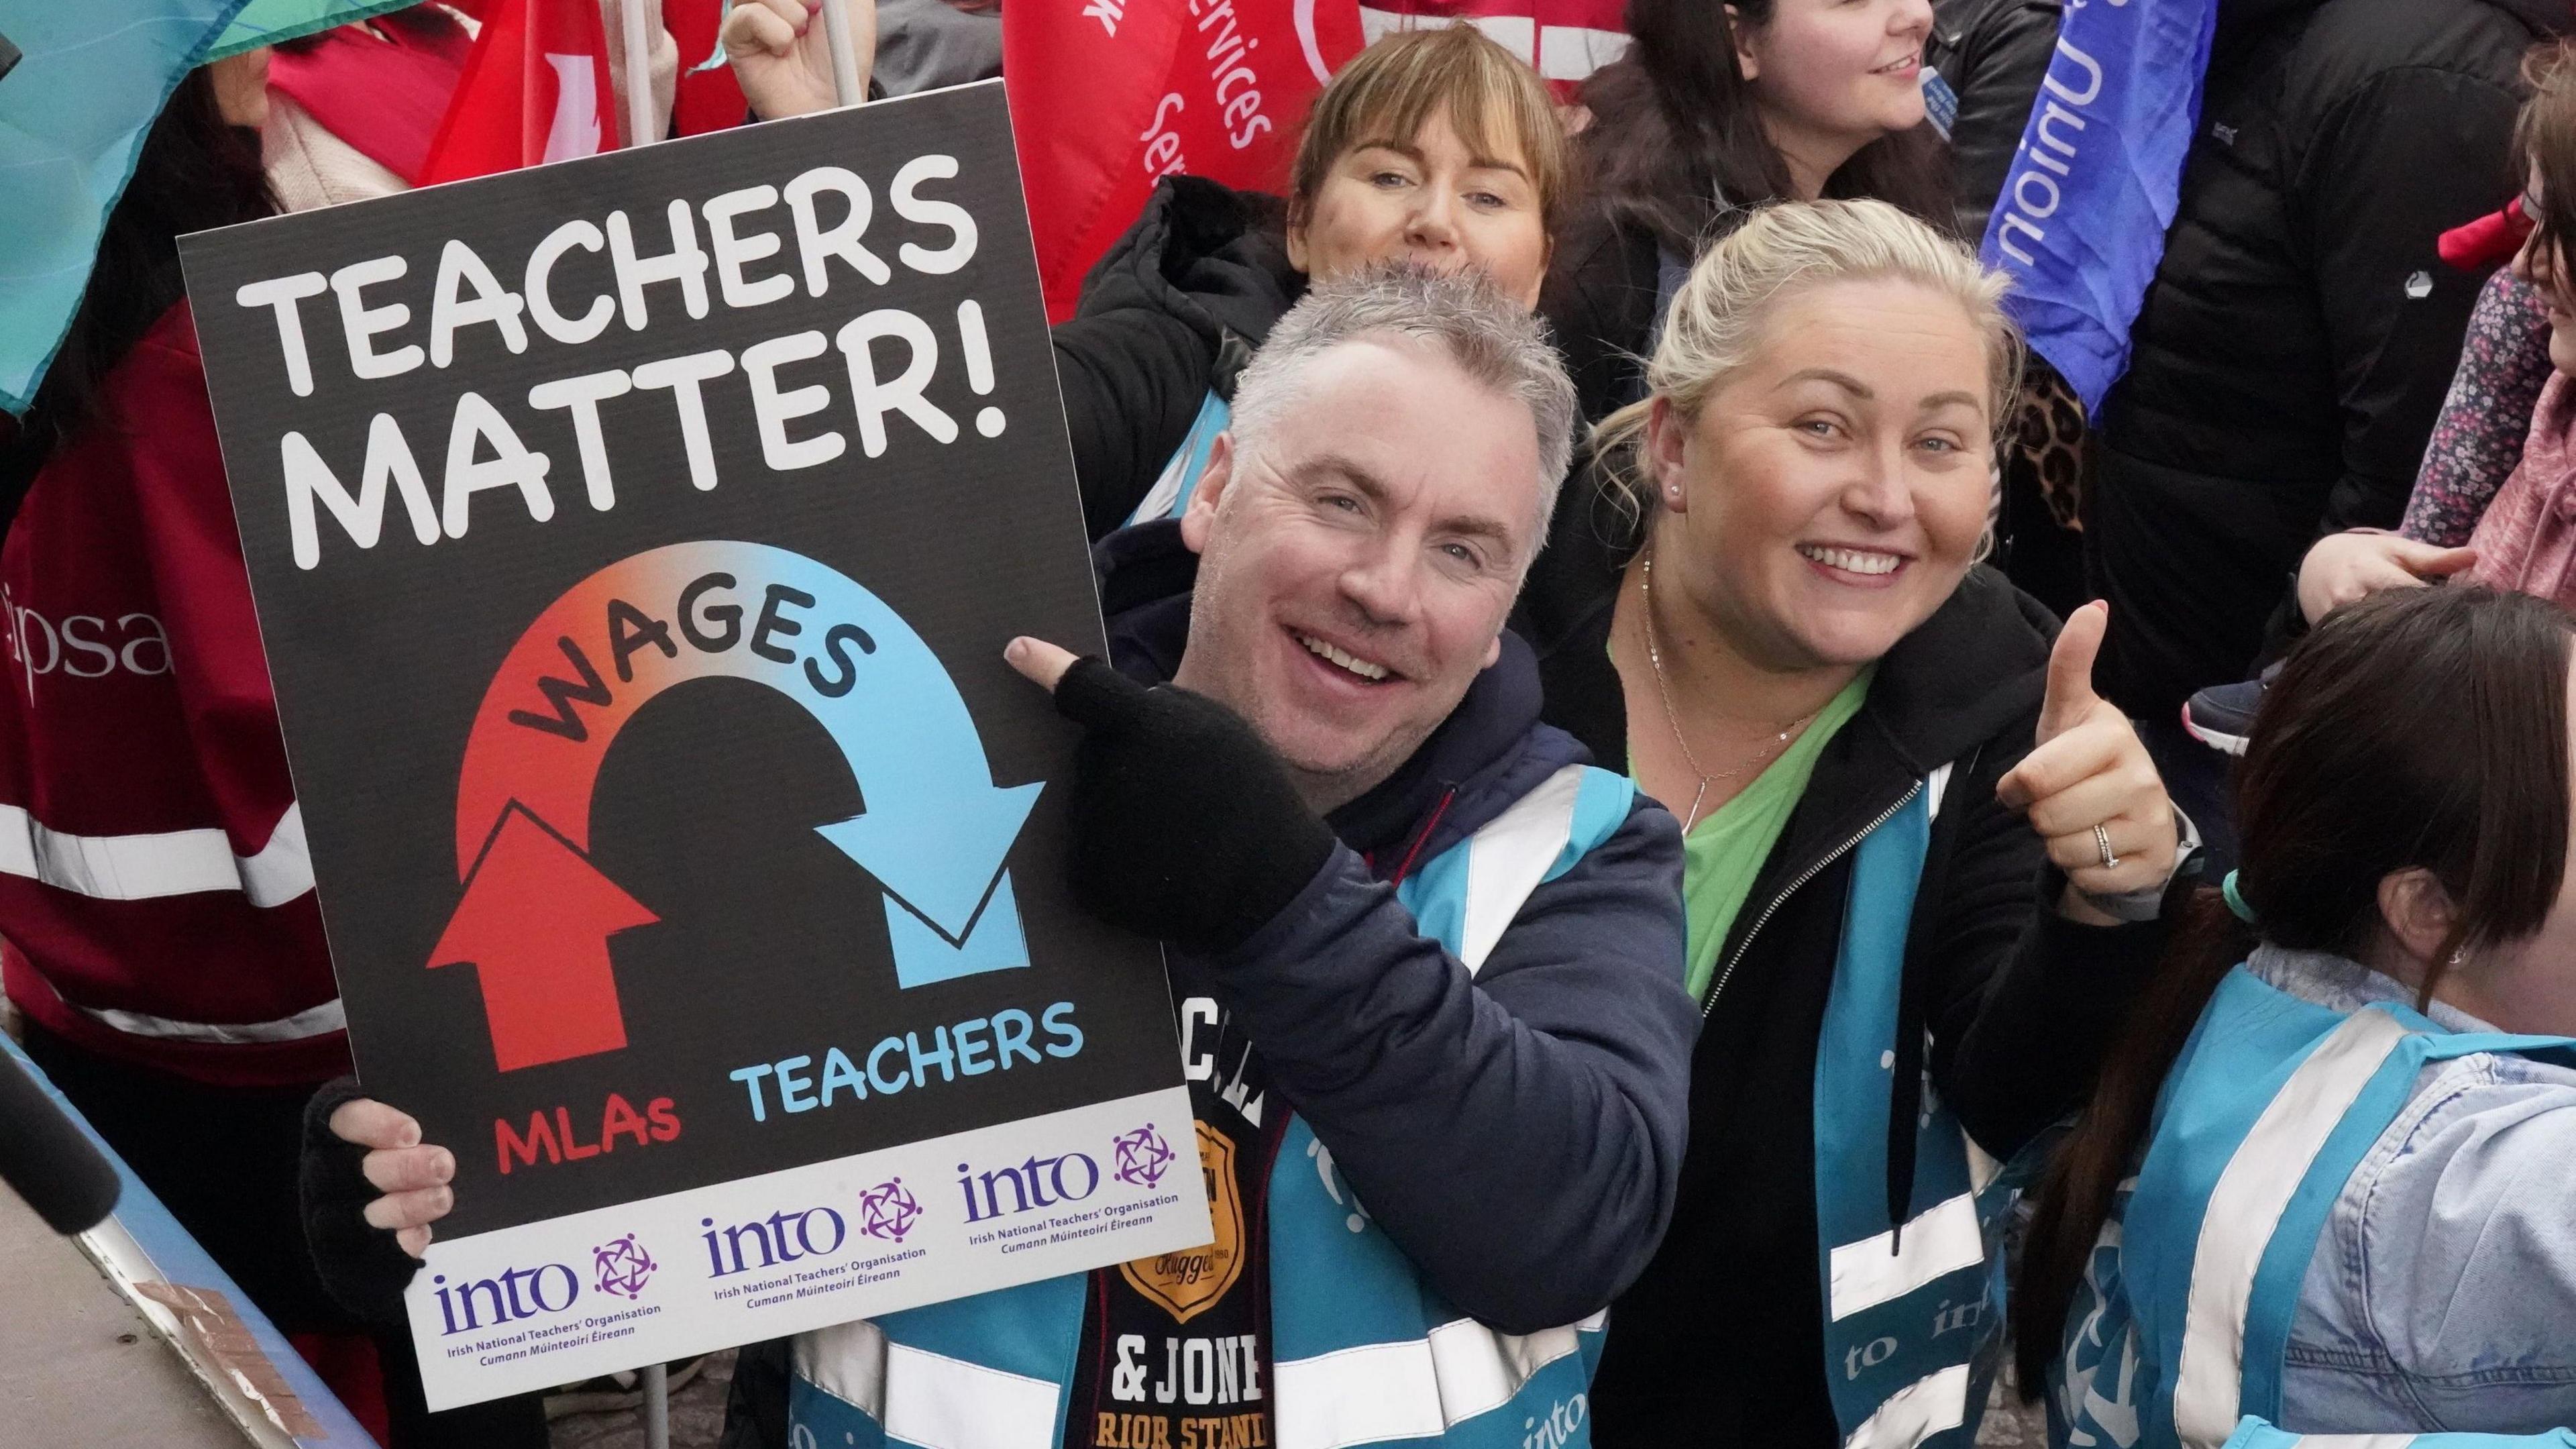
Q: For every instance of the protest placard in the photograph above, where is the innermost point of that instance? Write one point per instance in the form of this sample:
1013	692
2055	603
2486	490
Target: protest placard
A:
635	540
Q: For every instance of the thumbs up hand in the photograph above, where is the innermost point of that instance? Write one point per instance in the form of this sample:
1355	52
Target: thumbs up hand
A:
2088	787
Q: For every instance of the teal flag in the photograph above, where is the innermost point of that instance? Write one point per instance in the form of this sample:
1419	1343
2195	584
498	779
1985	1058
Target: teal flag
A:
266	22
73	113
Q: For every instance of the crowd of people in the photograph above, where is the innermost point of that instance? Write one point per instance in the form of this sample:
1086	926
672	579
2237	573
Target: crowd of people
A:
1985	893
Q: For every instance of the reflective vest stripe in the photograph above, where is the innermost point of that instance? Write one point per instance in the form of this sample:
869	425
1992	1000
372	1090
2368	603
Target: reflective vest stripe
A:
1170	495
148	867
925	1398
2246	1207
312	1022
1932	1404
1942	1239
847	1361
1358	1396
1480	1370
1509	857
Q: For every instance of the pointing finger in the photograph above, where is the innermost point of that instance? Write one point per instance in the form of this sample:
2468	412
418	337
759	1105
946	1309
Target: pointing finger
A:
1039	662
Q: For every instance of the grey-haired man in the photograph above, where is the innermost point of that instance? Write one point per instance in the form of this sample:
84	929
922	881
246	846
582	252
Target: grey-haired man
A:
1426	959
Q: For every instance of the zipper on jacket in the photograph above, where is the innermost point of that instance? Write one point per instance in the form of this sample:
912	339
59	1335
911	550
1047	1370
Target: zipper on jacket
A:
1810	873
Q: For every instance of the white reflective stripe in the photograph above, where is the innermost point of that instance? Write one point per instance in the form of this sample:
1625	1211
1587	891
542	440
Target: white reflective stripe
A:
1509	856
313	1021
847	1361
1935	785
147	867
1982	1167
1479	1370
2247	1205
283	869
2355	1441
945	1403
1932	1404
1357	1396
1574	52
1941	1239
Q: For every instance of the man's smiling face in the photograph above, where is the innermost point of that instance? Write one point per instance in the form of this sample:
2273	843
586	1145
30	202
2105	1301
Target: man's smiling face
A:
1358	556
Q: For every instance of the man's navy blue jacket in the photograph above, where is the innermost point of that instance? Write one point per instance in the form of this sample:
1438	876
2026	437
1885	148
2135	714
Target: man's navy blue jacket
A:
1519	1135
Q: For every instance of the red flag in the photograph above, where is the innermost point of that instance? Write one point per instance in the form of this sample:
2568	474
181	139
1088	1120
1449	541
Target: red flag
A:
708	100
1108	96
534	90
1564	40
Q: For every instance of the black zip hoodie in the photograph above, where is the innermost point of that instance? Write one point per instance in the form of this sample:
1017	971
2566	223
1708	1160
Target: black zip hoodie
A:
1172	310
1721	1340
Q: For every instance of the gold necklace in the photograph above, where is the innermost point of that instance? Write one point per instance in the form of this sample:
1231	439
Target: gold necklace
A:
1672	717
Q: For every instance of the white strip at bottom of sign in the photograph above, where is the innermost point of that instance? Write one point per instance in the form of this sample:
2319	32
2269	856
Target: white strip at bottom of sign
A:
590	1293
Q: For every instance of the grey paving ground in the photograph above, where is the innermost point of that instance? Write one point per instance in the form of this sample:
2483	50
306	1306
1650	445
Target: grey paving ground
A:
2010	1423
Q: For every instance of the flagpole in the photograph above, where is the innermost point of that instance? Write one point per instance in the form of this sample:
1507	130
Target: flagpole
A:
640	129
847	89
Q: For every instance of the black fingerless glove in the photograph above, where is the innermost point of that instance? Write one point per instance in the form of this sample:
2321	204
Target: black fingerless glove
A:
1185	825
362	1267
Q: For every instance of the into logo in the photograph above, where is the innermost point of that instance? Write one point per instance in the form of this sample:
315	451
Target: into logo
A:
622	1267
887	1211
782	1237
1071	1177
1143	1157
513	1294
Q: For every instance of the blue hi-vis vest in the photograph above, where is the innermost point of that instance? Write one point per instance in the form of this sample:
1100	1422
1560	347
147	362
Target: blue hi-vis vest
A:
2178	1334
1362	1352
1911	1314
2255	1434
1170	495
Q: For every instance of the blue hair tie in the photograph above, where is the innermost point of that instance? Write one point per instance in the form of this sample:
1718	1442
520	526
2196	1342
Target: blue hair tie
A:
2236	899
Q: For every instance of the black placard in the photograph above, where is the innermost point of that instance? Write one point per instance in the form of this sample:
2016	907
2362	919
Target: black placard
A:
635	610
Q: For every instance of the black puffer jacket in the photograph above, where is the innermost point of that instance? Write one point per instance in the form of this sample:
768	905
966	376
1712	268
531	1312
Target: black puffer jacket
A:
1172	310
1721	1340
2301	331
1994	53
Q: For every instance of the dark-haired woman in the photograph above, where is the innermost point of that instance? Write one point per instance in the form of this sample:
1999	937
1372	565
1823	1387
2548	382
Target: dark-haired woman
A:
2316	1185
162	945
1714	110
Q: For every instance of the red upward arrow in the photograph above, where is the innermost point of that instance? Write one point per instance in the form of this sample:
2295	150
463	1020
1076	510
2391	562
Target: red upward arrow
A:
535	921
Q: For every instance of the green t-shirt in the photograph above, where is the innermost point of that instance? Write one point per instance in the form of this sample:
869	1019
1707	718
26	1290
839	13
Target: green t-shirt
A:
1725	850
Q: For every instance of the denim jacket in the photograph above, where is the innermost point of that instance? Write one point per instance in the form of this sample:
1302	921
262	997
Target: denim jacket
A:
2442	1294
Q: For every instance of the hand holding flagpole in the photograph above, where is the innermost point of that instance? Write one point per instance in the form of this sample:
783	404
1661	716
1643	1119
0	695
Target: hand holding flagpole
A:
788	65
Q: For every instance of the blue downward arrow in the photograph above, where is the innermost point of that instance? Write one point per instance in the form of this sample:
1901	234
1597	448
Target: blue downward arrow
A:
937	830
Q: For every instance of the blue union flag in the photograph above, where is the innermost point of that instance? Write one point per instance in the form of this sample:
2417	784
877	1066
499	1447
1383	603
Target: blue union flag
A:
2081	223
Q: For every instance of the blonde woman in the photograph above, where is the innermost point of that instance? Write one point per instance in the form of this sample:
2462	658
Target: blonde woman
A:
1916	844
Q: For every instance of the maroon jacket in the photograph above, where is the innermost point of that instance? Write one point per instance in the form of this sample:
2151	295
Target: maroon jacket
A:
155	895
